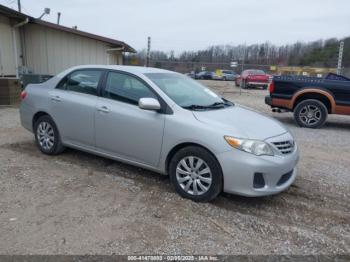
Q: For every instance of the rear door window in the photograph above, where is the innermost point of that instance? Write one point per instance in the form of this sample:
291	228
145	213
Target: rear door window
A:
82	81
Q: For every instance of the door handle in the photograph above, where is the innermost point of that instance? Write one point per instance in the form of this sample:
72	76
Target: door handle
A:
103	109
56	98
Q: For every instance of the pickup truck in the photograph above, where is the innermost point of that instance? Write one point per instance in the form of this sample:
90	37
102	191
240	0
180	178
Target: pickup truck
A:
310	98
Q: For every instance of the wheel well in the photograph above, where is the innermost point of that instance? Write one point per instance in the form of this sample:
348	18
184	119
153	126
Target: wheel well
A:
315	96
37	116
175	149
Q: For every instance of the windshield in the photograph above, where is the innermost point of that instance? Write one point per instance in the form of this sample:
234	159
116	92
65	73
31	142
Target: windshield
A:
183	90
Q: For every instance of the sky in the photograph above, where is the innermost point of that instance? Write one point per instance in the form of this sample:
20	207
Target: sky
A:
197	24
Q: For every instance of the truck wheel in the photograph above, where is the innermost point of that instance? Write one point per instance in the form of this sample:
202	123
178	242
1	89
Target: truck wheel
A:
310	113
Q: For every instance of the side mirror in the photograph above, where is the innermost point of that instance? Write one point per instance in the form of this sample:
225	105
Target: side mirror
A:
148	103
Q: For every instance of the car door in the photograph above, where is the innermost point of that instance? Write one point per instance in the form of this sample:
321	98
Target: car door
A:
73	105
122	128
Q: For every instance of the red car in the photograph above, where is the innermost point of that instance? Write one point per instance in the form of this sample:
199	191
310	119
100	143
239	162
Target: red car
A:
253	78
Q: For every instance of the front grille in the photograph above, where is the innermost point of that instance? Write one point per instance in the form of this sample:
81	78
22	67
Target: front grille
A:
285	147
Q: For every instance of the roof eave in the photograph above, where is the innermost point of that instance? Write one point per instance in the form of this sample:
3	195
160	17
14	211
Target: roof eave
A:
17	15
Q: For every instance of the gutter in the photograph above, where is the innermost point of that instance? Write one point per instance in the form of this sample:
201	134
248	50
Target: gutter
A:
116	49
26	21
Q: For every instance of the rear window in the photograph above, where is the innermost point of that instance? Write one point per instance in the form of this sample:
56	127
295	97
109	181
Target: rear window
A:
256	72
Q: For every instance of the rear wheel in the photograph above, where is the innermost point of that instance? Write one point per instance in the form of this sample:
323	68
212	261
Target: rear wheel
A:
47	137
196	174
310	113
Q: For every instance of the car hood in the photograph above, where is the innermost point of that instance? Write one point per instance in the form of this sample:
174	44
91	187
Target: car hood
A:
241	122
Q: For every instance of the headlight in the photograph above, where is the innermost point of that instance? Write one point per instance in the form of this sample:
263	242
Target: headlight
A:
255	147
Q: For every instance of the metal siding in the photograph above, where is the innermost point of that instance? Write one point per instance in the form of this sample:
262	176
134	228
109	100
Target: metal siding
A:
7	59
50	51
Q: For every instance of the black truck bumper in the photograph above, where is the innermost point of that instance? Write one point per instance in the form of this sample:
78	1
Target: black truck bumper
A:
268	100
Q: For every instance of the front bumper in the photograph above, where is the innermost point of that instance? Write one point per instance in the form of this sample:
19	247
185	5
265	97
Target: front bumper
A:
215	77
240	168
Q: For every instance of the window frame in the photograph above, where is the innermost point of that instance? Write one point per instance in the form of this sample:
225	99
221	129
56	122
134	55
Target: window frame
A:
164	107
99	84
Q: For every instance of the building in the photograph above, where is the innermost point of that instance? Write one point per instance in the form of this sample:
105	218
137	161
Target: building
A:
30	45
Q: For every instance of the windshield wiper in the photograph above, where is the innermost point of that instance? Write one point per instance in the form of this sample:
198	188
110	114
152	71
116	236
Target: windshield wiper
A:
221	104
195	107
216	105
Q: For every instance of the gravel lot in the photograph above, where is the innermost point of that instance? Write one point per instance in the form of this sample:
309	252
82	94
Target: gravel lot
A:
77	203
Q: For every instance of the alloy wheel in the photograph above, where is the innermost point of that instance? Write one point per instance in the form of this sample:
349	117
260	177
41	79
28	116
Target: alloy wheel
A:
310	115
45	135
193	175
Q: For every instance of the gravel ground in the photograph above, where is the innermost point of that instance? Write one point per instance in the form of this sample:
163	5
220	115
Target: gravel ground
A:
77	203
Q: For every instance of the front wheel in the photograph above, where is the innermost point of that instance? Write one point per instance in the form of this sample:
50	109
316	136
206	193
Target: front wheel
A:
196	174
47	137
310	113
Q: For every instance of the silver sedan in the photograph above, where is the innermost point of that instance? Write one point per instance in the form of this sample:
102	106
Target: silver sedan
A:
165	122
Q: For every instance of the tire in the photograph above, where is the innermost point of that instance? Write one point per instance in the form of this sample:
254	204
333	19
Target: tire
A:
208	174
47	137
224	78
310	113
243	85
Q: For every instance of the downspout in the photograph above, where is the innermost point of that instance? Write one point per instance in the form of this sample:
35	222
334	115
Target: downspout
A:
26	21
1	66
110	50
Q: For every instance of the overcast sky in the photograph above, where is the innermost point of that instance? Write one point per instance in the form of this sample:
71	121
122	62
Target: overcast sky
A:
196	24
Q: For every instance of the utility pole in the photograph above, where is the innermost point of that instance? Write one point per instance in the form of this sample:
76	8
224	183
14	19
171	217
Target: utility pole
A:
19	6
243	60
148	57
340	58
58	17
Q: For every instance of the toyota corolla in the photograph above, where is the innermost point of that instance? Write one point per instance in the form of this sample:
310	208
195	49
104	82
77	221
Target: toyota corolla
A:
165	122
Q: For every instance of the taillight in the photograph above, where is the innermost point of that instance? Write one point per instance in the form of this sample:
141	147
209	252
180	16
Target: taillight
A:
272	87
23	95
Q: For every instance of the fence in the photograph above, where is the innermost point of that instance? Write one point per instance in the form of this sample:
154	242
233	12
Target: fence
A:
186	67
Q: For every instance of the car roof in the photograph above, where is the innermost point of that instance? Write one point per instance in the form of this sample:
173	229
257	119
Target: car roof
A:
129	69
